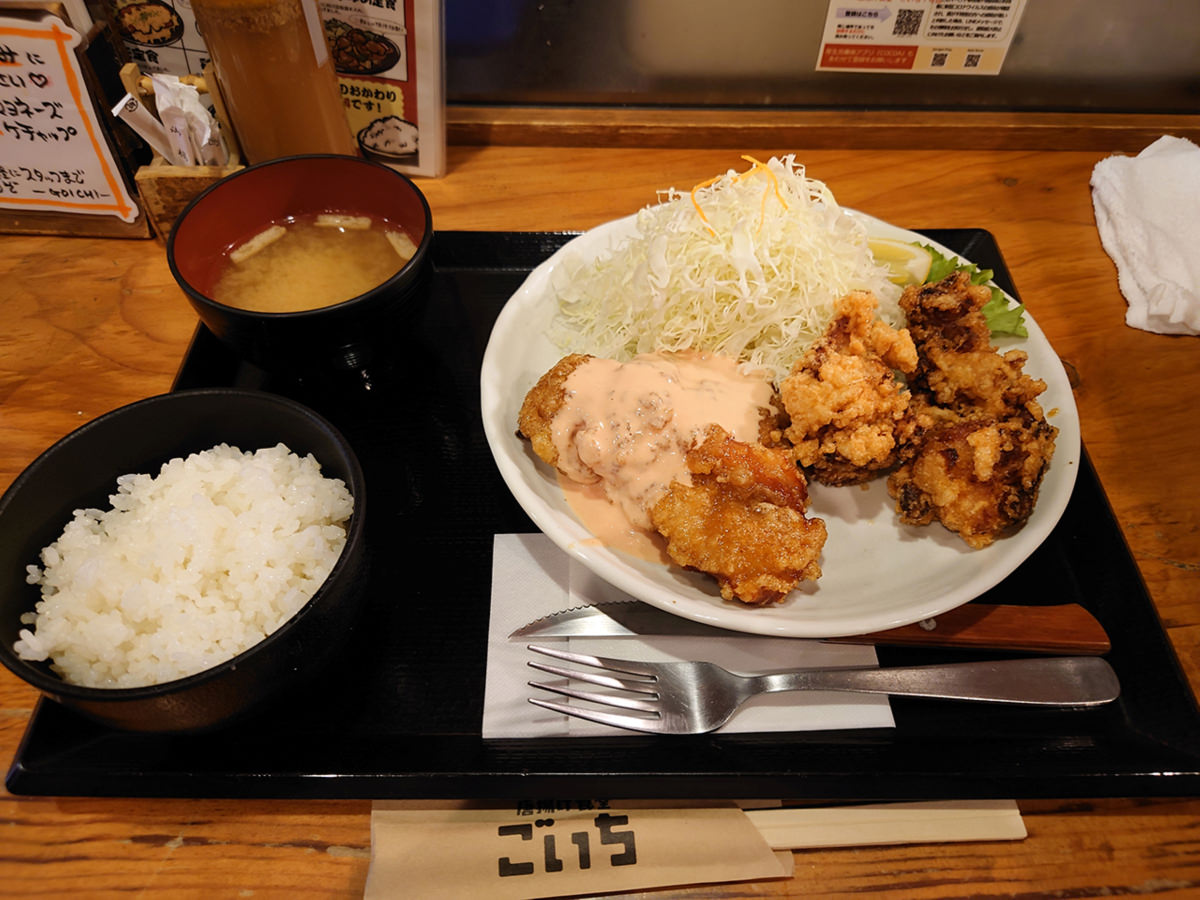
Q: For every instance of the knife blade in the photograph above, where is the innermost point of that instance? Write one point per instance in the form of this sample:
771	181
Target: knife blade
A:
1060	628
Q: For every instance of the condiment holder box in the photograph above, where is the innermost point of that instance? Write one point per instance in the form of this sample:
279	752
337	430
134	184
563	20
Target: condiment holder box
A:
166	189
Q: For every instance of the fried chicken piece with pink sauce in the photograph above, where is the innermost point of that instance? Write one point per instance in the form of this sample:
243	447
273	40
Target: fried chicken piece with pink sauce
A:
535	420
742	519
850	416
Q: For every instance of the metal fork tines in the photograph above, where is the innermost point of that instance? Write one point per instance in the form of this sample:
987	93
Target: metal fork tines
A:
697	697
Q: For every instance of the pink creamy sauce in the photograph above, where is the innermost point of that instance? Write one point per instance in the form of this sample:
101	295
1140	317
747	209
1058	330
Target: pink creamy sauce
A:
609	524
624	430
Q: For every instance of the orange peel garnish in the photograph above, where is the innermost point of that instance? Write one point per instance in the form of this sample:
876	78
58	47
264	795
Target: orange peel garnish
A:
756	166
761	166
696	203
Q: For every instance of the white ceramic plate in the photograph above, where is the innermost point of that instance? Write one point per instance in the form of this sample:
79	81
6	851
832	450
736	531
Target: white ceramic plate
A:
877	573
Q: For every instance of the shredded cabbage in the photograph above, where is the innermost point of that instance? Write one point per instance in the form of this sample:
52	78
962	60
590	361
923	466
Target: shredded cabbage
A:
748	265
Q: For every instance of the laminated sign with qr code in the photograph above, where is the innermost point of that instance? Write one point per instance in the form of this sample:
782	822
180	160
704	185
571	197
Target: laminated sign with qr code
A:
950	37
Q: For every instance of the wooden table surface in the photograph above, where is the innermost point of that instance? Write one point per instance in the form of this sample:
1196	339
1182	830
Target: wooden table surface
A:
92	324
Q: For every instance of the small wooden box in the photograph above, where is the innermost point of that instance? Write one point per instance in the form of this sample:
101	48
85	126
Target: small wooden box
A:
165	190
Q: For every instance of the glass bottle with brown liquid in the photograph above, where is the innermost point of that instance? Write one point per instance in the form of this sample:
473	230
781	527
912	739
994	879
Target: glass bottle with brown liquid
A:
276	75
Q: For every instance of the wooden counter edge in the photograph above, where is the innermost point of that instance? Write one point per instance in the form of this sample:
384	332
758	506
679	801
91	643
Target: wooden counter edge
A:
811	129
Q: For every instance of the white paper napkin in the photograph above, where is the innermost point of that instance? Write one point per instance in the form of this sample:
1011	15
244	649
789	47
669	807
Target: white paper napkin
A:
1148	214
532	578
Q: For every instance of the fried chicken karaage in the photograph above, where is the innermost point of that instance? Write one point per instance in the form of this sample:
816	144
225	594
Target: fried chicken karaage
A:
740	518
958	368
850	417
954	424
545	399
982	443
628	425
728	498
979	477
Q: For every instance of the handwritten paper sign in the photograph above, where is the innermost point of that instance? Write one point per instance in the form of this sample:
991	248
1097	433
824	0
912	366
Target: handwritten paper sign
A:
53	154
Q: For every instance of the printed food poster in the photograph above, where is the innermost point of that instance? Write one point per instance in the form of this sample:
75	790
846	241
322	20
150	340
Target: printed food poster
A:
389	59
387	54
949	37
372	48
160	35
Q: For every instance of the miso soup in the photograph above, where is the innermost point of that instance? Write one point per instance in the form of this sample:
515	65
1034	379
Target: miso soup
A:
312	261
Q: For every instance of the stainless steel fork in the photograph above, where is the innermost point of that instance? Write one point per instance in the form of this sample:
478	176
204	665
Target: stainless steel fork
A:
696	697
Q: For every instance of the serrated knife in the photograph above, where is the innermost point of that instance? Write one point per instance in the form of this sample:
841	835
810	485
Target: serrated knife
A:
1061	628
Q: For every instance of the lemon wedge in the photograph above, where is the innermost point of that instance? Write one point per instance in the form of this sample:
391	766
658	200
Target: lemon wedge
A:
908	263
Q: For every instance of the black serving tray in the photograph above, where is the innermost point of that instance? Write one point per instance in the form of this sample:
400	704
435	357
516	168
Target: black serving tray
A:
400	714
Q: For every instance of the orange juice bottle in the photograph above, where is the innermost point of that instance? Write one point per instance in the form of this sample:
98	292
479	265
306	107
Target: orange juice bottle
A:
276	76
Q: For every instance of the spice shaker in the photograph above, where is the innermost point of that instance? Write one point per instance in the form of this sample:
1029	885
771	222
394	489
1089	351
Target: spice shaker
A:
278	81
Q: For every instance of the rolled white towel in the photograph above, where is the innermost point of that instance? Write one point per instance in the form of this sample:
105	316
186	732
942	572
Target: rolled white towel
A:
1148	214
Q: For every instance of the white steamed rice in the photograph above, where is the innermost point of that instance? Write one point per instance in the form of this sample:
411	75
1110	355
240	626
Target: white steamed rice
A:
188	568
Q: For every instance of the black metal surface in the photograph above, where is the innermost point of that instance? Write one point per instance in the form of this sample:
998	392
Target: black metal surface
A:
401	715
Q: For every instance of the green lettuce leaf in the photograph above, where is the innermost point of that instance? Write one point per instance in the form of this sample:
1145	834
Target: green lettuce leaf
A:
1001	318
